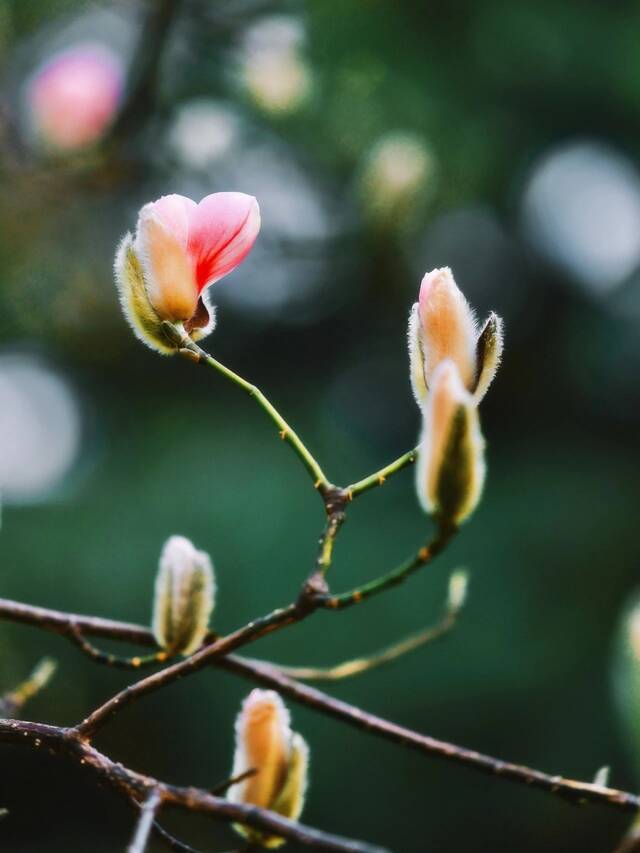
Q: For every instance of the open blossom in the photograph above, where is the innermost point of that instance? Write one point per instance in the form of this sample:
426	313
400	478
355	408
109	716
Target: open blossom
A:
74	96
280	757
179	249
442	326
450	470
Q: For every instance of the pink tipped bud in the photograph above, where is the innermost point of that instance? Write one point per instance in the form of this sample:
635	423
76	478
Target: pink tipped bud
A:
450	470
447	326
265	743
179	249
442	326
74	96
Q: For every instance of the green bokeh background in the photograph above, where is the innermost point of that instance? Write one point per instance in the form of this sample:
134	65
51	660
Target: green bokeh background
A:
552	550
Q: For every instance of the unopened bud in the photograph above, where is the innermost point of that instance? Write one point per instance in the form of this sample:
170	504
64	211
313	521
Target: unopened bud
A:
184	597
488	353
450	470
265	743
442	326
457	592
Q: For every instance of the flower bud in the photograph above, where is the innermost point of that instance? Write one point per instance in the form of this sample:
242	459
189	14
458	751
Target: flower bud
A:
73	97
280	757
457	591
184	597
442	326
179	249
488	353
450	469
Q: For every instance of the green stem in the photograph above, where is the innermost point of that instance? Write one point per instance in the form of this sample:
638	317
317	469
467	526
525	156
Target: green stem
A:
287	433
425	555
380	477
357	666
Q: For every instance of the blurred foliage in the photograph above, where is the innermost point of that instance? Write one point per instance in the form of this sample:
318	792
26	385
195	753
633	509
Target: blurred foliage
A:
489	88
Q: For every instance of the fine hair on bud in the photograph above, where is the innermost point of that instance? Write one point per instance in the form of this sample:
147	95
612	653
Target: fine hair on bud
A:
489	350
442	327
180	248
184	597
450	470
266	744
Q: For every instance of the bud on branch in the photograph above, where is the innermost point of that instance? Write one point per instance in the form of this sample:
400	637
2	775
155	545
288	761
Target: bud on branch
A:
179	249
280	757
442	326
450	470
184	597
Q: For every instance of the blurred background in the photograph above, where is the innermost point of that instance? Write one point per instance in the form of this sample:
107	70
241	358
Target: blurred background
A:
381	140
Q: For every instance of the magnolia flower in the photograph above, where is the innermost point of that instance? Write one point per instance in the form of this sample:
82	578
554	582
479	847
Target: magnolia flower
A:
179	249
450	469
74	96
280	757
443	326
184	597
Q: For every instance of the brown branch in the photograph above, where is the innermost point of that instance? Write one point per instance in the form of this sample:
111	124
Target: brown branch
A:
269	675
155	27
569	789
250	632
137	787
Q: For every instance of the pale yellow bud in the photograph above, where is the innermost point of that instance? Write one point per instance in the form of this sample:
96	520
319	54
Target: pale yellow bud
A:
450	470
265	743
184	597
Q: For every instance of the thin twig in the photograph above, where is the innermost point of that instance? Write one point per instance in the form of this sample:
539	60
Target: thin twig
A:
286	432
221	789
269	675
425	555
379	478
148	811
15	699
108	659
171	841
357	666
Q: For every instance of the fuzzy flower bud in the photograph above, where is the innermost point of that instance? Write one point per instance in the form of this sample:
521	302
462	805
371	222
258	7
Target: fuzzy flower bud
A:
280	757
73	97
179	249
450	470
442	326
184	597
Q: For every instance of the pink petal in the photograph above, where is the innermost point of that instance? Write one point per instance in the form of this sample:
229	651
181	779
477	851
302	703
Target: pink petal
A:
222	232
175	212
74	96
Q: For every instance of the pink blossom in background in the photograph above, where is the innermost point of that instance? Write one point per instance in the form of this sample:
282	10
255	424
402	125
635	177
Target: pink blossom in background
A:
73	97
